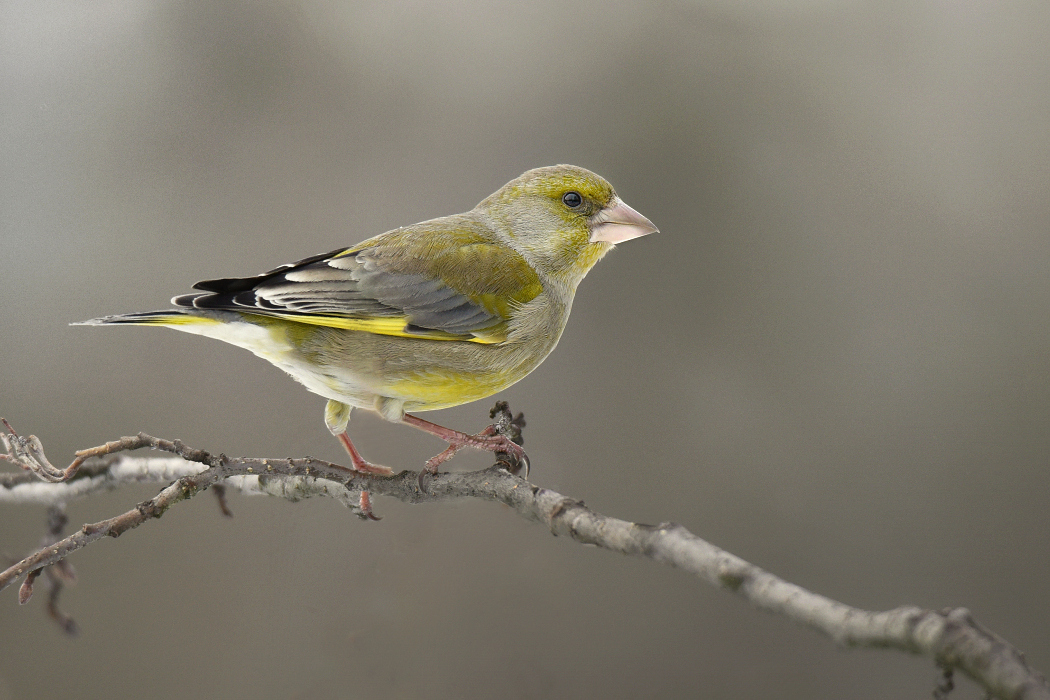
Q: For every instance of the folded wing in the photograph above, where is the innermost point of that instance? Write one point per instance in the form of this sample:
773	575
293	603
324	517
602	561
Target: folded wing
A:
426	284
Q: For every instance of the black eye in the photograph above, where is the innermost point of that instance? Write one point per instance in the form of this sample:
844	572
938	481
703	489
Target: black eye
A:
572	199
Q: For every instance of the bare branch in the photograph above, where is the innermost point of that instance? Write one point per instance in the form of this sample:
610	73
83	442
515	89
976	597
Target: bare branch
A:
951	638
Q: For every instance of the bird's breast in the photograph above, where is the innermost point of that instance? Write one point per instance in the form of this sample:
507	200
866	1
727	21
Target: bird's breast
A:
358	366
456	373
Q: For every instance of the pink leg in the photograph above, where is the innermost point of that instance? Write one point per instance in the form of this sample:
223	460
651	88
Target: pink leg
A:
359	463
485	440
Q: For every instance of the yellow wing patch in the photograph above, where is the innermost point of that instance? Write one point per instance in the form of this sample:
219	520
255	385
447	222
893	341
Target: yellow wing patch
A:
395	326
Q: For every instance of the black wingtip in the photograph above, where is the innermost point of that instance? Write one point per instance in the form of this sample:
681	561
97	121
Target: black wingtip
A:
229	285
233	285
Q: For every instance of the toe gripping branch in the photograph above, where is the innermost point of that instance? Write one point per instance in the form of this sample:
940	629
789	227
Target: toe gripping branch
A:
503	438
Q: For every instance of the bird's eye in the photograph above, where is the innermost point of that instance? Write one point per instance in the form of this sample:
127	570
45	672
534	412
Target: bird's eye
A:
572	199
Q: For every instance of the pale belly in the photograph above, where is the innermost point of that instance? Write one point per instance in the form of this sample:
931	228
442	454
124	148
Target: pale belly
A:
384	373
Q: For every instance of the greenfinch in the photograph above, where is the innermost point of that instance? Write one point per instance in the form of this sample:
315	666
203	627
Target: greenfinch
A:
425	316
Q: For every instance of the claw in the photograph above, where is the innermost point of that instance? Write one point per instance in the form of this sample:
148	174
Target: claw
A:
516	460
365	504
525	463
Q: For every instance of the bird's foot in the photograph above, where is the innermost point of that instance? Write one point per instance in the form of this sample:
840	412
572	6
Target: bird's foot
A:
503	438
508	453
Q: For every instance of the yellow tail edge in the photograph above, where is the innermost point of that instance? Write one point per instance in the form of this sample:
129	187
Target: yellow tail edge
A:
152	318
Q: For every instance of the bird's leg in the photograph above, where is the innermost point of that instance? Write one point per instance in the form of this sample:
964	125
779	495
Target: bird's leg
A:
487	439
337	417
359	463
438	459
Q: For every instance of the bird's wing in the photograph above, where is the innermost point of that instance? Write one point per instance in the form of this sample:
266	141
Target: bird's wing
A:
442	285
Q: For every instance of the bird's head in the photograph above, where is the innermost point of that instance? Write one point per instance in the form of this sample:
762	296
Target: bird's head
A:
563	219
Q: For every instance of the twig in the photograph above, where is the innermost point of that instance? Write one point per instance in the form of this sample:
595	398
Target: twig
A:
952	638
58	575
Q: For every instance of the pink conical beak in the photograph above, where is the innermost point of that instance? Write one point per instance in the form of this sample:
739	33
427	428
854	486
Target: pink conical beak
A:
618	222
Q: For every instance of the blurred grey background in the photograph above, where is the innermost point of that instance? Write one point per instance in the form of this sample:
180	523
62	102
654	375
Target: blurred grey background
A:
832	361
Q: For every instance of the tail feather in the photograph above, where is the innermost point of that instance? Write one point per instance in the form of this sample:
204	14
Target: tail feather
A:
228	326
170	317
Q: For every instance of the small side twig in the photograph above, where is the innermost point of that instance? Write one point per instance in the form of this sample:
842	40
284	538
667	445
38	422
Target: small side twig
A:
25	592
947	683
28	452
58	574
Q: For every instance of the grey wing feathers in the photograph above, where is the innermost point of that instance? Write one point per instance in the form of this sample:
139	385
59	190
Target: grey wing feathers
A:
355	285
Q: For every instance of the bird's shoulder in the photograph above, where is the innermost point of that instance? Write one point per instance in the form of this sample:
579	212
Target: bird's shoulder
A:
461	251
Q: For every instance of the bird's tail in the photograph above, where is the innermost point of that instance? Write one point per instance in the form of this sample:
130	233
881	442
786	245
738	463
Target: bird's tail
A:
242	330
169	317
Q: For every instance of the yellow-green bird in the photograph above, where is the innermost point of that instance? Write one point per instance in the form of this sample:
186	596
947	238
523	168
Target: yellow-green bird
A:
426	316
